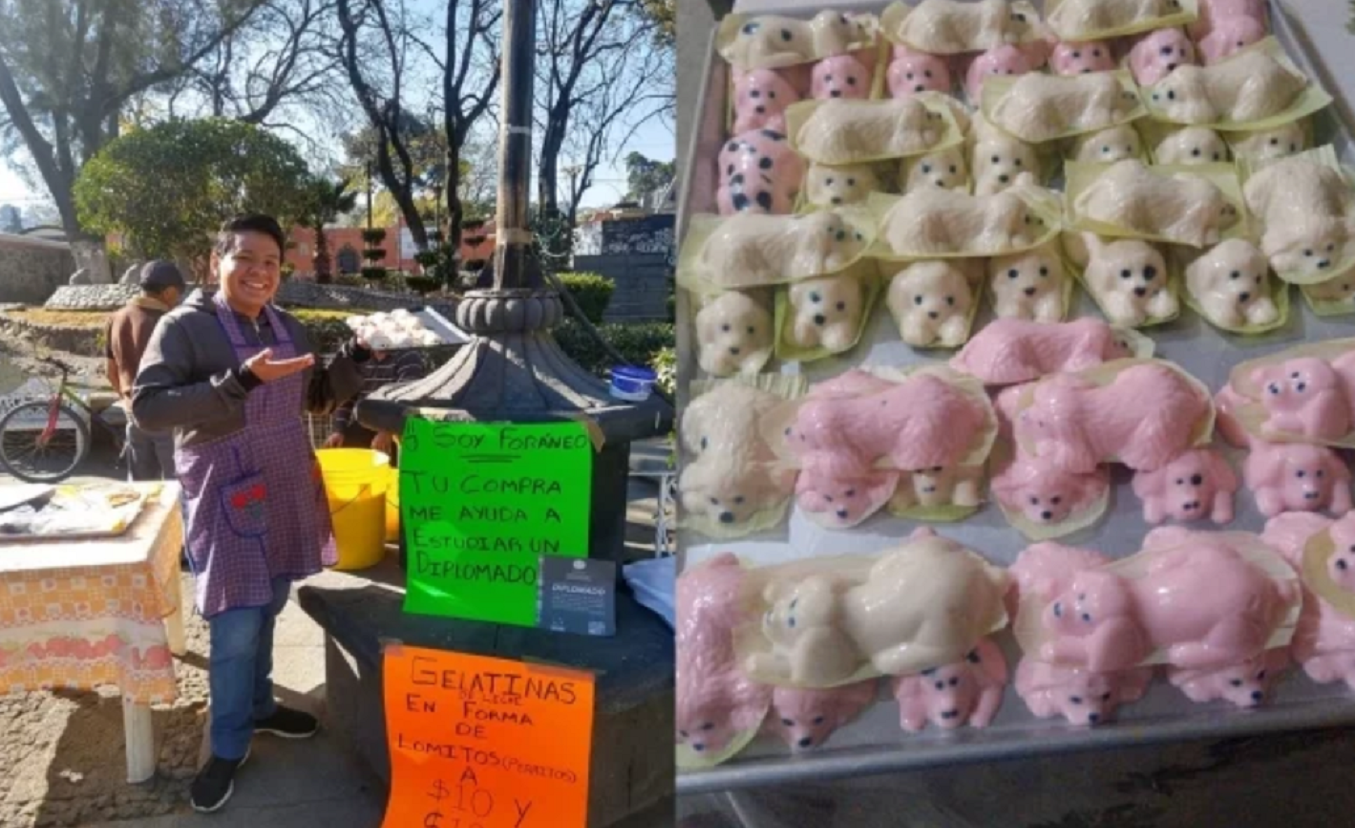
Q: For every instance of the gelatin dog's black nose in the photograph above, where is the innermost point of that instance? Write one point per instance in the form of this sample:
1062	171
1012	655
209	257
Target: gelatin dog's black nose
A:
1244	296
1093	717
933	314
726	517
1138	291
734	350
1324	264
820	319
842	514
1030	291
1046	515
1257	695
836	93
805	742
1004	178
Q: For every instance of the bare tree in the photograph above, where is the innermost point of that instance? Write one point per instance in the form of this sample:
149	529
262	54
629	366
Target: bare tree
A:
375	52
601	75
67	69
470	74
285	54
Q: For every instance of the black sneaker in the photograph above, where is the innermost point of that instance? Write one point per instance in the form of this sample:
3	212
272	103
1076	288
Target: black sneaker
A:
288	723
215	783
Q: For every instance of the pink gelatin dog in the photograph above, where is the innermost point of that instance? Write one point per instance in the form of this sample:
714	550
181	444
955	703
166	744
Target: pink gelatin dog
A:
1324	638
1081	696
1202	604
918	423
804	719
1226	402
844	503
1157	53
1229	36
759	173
1069	58
1308	396
760	100
1214	12
840	76
1296	477
715	700
1144	418
966	692
912	72
1011	350
1246	684
1045	493
1004	60
1199	484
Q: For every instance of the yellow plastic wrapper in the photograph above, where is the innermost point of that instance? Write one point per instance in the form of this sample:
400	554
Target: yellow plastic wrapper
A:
1224	96
1038	107
1076	20
1174	205
732	483
952	27
840	131
819	318
939	495
1334	297
773	41
749	250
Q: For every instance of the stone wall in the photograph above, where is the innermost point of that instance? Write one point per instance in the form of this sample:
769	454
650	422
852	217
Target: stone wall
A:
642	284
30	269
636	254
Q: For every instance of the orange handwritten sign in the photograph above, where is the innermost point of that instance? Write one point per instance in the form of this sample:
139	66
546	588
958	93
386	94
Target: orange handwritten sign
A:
480	742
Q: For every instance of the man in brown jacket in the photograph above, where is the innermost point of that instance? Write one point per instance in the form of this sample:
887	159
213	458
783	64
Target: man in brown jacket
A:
150	454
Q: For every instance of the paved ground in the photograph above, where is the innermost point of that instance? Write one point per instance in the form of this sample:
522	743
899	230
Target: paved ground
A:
62	760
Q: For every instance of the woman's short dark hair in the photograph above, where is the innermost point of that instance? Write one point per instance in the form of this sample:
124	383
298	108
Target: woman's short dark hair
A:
247	223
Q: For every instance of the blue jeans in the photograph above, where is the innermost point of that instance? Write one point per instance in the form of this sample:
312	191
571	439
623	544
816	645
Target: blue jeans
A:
241	672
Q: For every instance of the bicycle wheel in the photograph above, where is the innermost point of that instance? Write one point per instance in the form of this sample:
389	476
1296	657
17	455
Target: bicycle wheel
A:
26	455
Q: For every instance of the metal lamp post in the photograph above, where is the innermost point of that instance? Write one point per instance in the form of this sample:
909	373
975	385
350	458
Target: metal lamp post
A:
513	370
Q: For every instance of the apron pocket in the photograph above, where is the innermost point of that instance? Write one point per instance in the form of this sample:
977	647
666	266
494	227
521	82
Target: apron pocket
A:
244	502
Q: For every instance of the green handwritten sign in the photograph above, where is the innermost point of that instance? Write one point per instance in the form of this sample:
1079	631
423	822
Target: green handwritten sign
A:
481	503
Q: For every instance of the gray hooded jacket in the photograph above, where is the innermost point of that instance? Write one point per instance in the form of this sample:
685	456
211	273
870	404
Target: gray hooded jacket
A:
190	379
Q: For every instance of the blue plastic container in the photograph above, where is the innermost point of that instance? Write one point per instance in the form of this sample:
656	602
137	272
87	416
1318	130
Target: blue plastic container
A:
632	384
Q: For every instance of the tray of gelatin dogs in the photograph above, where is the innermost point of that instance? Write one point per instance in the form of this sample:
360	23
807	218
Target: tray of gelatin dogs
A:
1035	310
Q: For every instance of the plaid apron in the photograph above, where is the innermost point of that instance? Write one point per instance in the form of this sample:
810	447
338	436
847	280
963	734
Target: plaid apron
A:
254	504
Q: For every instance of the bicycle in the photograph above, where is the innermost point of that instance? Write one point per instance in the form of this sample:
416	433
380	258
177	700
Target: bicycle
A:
45	440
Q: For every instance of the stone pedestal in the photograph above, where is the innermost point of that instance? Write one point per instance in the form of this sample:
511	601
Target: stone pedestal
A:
632	758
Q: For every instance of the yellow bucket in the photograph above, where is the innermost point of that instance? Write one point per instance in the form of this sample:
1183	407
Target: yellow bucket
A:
393	507
355	483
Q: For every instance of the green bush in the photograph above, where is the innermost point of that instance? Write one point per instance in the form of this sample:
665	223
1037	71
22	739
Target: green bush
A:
638	342
422	284
665	365
374	236
591	291
374	274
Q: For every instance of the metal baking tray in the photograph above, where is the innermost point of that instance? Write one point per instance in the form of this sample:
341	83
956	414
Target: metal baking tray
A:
875	744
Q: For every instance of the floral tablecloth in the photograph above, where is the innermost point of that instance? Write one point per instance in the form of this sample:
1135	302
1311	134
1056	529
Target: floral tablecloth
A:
79	614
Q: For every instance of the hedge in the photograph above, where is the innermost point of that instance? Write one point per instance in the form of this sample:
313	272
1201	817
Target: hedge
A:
592	292
639	342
